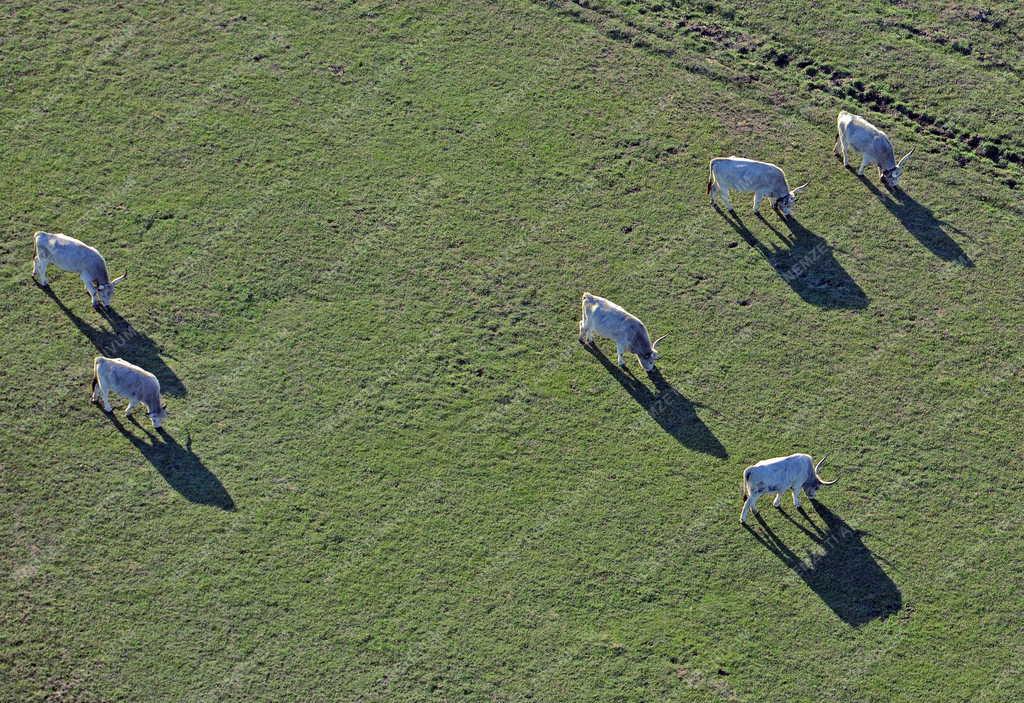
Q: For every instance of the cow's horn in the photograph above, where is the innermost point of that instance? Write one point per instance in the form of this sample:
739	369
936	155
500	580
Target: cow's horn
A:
119	278
818	466
899	164
653	346
801	189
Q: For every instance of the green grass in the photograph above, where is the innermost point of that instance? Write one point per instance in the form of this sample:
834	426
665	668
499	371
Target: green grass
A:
356	238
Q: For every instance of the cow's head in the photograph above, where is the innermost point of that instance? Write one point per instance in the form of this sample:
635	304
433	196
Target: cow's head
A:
647	360
814	482
105	291
158	416
784	205
891	177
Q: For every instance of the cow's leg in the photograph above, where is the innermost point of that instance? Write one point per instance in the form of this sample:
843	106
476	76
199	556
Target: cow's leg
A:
93	293
778	500
619	350
132	404
723	195
750	506
865	161
105	394
844	150
796	496
757	201
716	192
583	332
39	269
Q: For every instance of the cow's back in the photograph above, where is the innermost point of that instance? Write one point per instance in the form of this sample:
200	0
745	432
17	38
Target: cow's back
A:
748	175
611	320
131	381
71	254
868	139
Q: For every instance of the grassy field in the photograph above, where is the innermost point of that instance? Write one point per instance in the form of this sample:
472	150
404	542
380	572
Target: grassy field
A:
356	237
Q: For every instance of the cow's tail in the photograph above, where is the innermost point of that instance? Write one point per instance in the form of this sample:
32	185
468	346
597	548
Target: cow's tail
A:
711	177
36	244
588	300
743	488
95	373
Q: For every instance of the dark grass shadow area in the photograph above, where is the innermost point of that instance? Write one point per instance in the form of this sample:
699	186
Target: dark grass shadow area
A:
183	470
125	341
846	576
671	409
921	222
805	262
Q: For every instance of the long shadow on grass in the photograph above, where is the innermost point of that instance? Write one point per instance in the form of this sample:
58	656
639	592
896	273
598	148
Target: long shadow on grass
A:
922	223
183	470
846	575
805	262
669	408
125	341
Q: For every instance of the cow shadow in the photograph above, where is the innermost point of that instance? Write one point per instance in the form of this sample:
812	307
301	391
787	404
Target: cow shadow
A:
846	575
805	262
125	341
671	409
183	470
921	222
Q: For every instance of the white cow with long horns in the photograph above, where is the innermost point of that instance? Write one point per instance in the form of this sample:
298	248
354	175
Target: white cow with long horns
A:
606	319
874	146
796	472
70	254
761	178
133	382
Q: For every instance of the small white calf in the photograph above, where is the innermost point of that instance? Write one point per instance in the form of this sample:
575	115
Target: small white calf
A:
606	319
795	472
859	135
763	179
134	383
69	254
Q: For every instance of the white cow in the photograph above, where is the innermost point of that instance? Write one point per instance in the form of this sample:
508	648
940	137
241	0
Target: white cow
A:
131	381
874	146
72	255
795	472
606	319
763	179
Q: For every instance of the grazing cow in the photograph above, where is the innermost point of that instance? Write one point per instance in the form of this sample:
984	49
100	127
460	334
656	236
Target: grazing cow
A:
606	319
795	472
134	383
874	146
762	179
69	254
